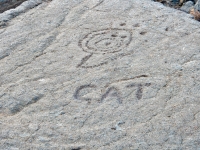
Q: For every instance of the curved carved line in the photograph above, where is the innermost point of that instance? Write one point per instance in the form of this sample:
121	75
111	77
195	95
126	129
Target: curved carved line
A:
76	94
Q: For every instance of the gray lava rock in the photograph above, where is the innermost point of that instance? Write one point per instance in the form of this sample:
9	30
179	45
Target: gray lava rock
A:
9	4
197	5
100	74
12	13
187	6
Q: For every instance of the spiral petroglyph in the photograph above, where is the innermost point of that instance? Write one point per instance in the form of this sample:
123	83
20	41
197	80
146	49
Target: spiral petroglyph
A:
106	41
101	42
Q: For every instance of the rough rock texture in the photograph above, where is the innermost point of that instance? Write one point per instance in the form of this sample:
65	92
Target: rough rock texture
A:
187	6
100	74
8	4
12	13
197	5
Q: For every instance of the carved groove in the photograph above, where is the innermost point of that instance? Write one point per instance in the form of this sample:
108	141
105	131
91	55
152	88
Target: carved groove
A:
106	41
78	90
139	86
116	94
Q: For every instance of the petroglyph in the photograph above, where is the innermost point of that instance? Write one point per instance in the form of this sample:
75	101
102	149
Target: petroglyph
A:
134	89
112	91
139	89
106	41
100	74
77	94
103	43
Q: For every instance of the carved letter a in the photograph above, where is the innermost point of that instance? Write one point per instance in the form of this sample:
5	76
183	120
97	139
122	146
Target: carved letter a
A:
112	91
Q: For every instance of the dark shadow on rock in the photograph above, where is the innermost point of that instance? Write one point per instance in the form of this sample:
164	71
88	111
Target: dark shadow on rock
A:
9	4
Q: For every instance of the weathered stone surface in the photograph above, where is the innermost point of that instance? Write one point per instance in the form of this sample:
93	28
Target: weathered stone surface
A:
12	13
9	4
100	74
187	6
197	5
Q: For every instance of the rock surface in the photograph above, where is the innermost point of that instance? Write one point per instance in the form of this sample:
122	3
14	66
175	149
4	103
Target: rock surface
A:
100	74
8	4
197	5
187	6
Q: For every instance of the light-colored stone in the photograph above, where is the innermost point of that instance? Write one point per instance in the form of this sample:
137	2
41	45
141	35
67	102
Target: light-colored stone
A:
100	74
33	127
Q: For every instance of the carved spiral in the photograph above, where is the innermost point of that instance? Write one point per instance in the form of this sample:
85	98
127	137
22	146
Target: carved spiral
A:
106	41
